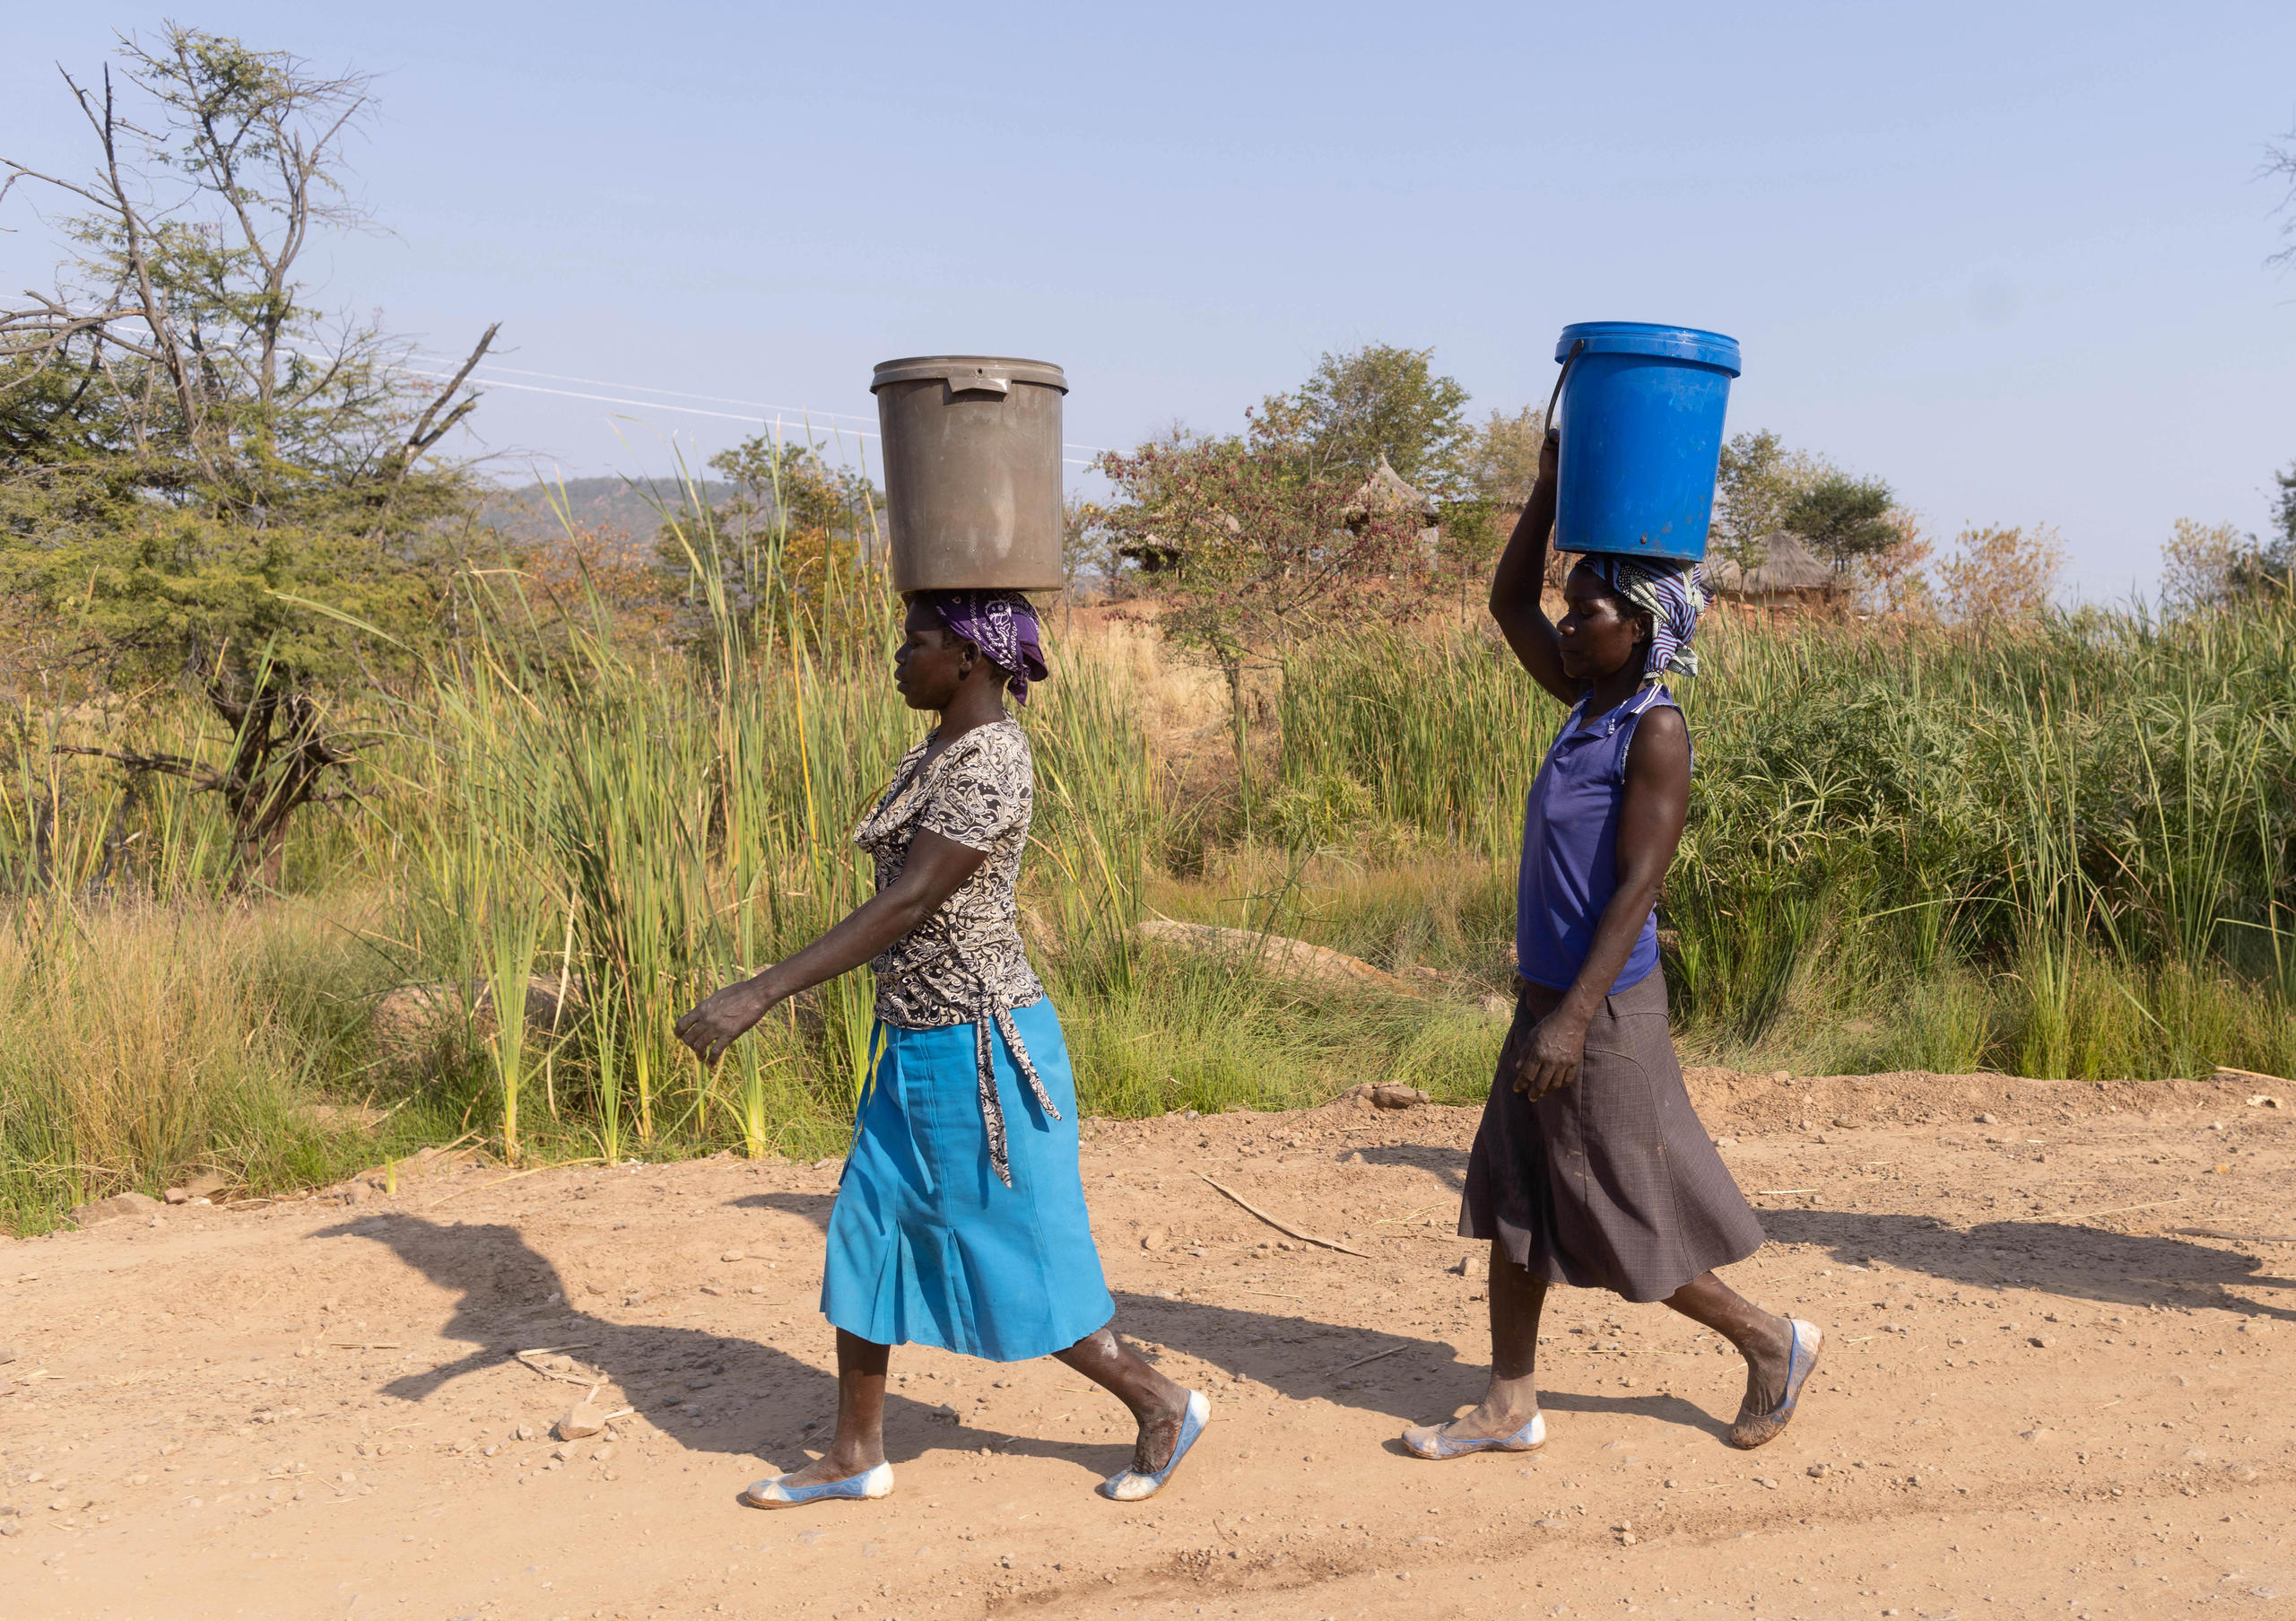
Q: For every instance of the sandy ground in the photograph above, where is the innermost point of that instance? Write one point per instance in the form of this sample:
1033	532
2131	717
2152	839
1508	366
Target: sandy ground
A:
2038	1397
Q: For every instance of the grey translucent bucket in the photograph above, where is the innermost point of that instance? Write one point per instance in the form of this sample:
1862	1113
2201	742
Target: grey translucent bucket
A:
972	471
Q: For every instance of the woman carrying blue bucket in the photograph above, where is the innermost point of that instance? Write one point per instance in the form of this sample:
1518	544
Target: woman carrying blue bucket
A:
1590	1167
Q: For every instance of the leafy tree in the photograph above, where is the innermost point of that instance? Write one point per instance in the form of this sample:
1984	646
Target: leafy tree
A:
1088	552
2217	565
1502	456
190	450
1845	519
1376	401
2280	555
1258	541
1759	480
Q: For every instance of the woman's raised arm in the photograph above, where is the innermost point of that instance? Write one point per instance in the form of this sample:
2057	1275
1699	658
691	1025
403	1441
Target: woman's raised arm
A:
1521	575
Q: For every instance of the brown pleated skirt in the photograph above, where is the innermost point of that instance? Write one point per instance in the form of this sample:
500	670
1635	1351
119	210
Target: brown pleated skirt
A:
1610	1182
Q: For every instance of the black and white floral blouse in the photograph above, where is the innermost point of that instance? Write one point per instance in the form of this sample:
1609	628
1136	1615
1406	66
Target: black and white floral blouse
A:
965	962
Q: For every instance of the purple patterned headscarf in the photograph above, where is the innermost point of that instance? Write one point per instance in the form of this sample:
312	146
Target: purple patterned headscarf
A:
1671	593
1004	626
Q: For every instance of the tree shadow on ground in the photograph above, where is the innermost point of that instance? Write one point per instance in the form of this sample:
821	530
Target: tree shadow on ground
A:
2083	1263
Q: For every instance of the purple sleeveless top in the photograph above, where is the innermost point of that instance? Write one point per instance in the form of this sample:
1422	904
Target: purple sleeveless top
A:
1570	848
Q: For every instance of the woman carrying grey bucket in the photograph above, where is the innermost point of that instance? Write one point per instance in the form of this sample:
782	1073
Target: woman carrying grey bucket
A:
1590	1168
960	1221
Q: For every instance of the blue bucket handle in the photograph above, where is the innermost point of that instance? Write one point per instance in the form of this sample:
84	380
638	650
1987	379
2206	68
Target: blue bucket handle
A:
1576	349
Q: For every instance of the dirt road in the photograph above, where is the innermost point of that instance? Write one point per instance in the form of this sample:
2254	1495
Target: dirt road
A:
2040	1396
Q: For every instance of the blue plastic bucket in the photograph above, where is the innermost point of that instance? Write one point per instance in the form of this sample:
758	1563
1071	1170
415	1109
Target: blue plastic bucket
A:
1641	418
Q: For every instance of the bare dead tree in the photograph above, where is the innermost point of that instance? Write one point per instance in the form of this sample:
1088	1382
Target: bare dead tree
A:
2279	166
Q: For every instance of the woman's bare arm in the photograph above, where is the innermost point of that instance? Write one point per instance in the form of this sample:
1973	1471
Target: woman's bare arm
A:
1521	577
936	868
1649	827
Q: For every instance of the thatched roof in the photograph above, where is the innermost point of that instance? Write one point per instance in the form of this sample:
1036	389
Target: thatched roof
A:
1385	495
1786	570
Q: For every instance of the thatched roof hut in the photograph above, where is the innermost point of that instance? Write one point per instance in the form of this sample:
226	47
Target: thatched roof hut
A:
1384	495
1787	574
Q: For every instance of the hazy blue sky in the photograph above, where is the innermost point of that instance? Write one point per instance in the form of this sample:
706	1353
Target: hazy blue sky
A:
2010	257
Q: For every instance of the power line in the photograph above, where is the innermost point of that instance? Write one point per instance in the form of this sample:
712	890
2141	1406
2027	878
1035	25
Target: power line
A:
599	382
806	412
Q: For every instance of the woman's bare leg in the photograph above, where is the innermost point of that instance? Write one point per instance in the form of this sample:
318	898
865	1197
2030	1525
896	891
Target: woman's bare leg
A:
1764	1340
1157	1405
860	1441
1511	1399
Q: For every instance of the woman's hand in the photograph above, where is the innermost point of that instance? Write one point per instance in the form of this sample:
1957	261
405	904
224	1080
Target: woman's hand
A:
1549	1059
1550	456
718	1022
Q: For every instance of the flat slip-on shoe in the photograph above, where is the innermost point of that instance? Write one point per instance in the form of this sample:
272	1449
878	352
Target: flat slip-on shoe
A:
873	1482
1801	1362
1431	1443
1132	1485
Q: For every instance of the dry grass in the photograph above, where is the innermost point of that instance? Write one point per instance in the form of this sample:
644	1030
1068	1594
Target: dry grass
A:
147	1041
2061	854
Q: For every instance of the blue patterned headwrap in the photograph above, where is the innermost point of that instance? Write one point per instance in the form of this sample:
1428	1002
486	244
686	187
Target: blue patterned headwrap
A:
1003	624
1671	593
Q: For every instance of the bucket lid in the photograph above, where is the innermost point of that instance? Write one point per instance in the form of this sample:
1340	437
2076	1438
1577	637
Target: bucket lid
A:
962	369
1642	337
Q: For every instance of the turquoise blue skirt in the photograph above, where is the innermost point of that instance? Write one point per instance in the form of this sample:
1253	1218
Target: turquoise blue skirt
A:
925	1245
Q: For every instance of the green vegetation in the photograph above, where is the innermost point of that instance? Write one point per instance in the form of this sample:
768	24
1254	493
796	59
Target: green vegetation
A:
544	804
2062	851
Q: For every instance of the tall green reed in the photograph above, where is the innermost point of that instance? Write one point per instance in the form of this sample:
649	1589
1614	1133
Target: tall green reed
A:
2095	813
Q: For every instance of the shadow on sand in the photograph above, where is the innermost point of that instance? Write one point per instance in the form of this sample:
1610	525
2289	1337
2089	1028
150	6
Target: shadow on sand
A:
739	1397
744	1397
2080	1263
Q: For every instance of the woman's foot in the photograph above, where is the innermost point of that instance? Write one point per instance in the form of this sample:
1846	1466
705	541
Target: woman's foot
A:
1138	1482
1160	1431
1495	1426
1775	1375
820	1482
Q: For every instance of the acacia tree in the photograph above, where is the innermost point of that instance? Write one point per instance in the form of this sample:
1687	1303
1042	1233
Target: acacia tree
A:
1845	519
191	450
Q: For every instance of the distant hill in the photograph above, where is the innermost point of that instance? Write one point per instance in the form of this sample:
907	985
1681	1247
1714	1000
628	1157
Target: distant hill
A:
529	513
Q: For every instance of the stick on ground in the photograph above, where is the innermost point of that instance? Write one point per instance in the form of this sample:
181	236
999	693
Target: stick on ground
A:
2066	1215
2237	1238
513	1177
1305	1238
1374	1356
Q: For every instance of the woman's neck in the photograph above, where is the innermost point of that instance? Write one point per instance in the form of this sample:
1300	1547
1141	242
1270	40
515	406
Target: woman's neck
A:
1606	692
973	707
